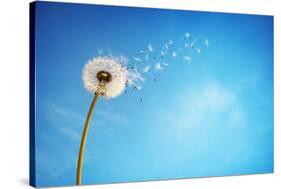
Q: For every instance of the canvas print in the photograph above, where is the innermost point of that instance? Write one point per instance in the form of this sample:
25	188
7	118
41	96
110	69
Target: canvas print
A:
127	94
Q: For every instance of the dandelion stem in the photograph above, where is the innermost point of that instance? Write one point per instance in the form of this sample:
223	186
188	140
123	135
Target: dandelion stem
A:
83	141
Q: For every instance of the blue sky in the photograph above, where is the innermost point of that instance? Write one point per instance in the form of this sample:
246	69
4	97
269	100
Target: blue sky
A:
212	116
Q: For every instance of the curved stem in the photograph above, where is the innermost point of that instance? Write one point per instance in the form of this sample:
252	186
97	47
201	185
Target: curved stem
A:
83	142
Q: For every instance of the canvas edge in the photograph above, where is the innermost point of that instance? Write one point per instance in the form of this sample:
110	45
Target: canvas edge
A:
32	166
148	7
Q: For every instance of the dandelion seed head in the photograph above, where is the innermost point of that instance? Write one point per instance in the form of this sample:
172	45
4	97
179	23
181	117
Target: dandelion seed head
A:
107	76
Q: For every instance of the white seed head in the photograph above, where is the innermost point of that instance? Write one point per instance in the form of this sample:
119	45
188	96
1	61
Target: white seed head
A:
109	66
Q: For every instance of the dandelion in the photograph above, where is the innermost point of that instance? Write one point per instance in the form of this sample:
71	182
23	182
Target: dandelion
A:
150	49
107	77
187	58
137	88
207	42
165	64
171	42
109	52
158	67
162	53
146	57
122	60
146	69
134	77
192	44
187	35
100	51
137	59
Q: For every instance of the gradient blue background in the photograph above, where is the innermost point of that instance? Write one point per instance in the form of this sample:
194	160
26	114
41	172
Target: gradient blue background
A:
211	117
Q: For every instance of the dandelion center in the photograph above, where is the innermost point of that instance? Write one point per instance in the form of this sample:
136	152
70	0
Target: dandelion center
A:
104	76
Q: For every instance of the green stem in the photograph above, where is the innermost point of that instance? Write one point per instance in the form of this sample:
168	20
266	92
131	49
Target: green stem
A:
83	142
